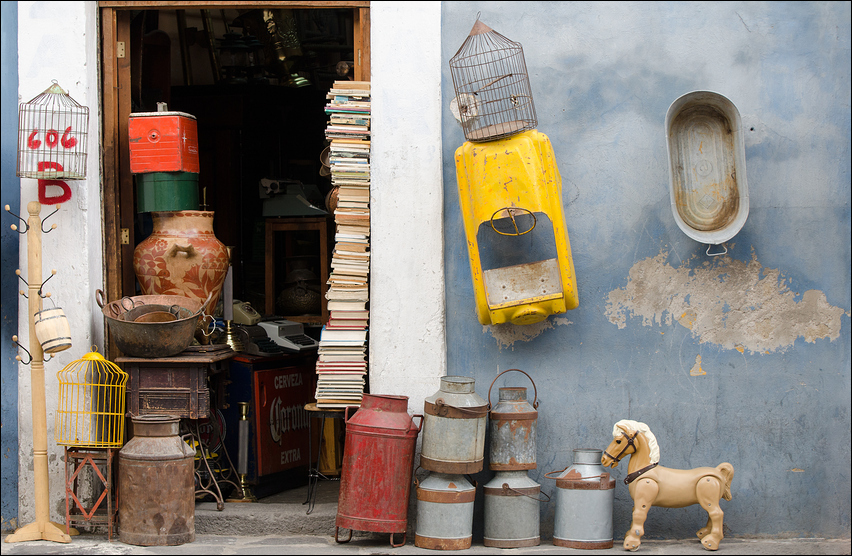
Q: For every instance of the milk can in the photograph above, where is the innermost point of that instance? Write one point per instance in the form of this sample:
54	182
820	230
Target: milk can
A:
584	495
512	510
156	484
378	462
454	428
512	428
444	512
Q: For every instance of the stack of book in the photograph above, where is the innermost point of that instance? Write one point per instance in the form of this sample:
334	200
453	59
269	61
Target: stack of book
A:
342	362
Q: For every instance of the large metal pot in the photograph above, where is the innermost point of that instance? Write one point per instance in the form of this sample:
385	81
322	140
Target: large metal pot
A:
152	339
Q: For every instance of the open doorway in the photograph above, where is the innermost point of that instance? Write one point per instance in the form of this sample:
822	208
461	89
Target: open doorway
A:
256	80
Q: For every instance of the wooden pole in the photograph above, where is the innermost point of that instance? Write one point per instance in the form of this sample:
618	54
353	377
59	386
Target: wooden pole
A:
42	528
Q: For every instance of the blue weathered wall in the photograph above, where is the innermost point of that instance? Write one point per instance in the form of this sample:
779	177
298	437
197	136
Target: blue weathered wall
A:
743	357
10	285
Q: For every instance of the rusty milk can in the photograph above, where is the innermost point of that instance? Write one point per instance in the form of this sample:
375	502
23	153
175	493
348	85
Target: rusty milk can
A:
584	496
454	428
378	463
512	512
444	512
156	484
512	428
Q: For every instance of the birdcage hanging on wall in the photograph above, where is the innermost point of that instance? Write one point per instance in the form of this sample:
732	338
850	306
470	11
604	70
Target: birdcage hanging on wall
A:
91	403
493	96
52	136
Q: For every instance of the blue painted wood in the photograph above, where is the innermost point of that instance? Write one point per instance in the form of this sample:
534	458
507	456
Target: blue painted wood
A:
11	195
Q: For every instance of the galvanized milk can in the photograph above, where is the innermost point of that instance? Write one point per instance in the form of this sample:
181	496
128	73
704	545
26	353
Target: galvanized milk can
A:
454	428
378	463
584	495
156	484
444	512
512	510
513	428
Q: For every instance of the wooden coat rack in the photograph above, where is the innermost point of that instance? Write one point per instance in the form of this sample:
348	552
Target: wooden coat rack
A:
42	528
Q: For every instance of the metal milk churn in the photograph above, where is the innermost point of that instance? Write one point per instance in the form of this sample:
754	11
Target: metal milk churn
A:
378	463
454	428
156	484
584	495
512	510
512	428
444	512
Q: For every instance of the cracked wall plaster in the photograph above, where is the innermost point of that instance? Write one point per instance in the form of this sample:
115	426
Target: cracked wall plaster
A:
507	334
736	304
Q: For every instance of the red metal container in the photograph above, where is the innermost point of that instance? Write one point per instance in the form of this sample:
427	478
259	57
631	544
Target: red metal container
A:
163	142
378	463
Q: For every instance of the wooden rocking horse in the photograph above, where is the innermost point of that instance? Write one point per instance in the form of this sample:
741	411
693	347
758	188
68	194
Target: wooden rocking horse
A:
653	485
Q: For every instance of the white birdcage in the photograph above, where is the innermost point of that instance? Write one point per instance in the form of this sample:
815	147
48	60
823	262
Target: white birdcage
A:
52	137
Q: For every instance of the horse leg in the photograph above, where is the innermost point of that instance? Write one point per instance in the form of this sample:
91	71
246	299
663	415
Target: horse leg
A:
709	491
644	495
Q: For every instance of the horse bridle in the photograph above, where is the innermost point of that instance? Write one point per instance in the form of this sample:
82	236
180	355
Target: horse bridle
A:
621	454
630	442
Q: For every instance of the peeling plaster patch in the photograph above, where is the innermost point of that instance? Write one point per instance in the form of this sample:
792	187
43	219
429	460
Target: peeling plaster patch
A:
735	304
696	369
508	334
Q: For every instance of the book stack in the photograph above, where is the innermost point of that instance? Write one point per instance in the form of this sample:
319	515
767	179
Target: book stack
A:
342	361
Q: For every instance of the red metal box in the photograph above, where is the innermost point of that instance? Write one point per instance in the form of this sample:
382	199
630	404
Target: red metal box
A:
163	142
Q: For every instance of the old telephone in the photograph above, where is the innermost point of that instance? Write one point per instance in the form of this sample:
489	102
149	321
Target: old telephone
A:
245	314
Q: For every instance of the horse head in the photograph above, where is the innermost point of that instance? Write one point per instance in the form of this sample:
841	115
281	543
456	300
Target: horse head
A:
623	444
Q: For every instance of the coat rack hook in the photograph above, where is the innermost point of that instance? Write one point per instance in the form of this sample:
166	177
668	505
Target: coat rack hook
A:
15	227
18	357
52	274
18	273
53	227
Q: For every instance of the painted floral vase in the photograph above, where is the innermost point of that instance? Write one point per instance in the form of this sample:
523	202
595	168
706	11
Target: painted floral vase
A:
182	257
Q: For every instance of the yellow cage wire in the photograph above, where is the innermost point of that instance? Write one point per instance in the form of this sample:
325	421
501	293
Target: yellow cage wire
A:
91	403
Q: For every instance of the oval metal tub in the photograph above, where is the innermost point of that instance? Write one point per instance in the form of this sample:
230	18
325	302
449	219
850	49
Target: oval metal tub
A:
707	173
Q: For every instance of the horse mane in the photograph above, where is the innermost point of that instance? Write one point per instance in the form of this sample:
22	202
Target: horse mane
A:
643	428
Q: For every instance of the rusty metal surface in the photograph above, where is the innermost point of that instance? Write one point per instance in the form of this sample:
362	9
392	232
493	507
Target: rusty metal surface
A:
585	545
512	510
378	464
156	502
442	544
454	425
513	427
512	543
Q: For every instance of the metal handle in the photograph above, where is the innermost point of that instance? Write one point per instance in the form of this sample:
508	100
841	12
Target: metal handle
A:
709	254
548	475
535	391
441	403
420	426
536	498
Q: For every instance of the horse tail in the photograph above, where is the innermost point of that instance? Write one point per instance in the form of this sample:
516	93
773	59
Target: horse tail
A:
727	471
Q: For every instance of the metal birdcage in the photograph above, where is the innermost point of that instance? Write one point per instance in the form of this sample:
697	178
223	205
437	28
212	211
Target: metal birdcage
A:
91	403
493	97
52	137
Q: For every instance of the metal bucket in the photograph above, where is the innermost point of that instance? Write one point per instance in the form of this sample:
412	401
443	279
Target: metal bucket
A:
512	510
378	462
444	512
584	496
156	484
151	339
454	425
512	428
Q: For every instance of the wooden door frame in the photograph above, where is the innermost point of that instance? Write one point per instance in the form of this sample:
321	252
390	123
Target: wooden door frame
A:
115	94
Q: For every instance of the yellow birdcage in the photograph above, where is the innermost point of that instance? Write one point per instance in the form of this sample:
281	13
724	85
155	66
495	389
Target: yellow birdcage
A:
91	403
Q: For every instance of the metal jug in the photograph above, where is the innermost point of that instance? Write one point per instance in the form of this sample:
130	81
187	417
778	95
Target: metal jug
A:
444	512
378	463
454	428
156	484
512	510
584	496
512	428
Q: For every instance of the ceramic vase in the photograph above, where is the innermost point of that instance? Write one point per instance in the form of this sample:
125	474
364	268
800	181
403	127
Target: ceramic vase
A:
182	257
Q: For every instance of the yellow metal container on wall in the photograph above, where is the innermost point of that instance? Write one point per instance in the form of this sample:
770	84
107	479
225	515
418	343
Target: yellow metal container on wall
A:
510	192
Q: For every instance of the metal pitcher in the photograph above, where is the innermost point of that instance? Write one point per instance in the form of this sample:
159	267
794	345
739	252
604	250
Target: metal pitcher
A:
513	428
